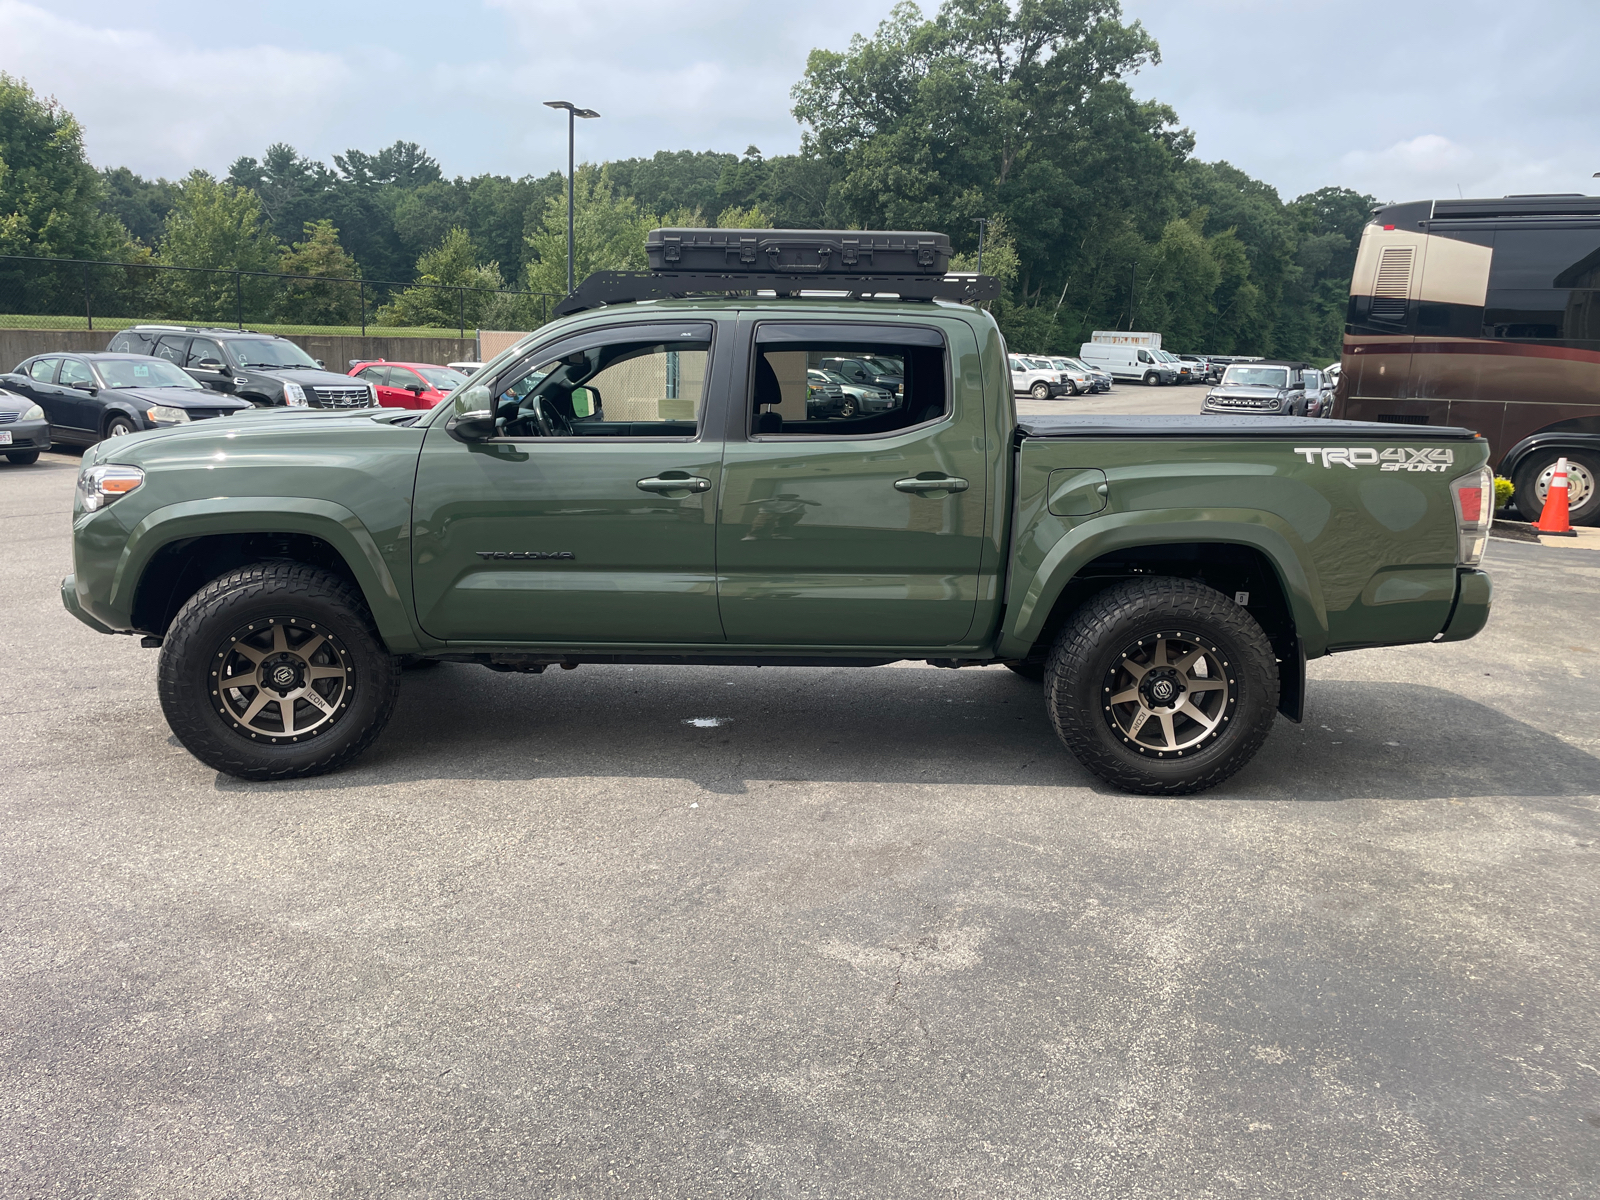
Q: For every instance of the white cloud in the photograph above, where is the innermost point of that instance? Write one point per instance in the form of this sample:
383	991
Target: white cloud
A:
163	104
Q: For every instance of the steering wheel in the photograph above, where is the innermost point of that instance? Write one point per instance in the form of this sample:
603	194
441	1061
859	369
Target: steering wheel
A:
548	419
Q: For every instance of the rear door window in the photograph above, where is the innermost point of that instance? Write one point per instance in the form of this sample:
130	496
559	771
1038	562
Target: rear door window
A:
816	380
43	370
173	349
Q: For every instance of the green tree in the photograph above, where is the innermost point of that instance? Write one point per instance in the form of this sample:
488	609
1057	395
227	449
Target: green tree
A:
608	234
50	206
325	299
219	232
453	289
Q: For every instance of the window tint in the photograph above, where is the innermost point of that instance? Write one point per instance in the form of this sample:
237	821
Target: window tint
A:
643	388
173	349
1545	258
835	389
405	377
73	371
201	349
43	370
377	375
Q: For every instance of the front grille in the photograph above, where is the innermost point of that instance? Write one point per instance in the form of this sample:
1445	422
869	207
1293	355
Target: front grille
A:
204	414
7	417
1237	402
340	397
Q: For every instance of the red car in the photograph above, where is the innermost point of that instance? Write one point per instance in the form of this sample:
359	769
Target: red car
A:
407	385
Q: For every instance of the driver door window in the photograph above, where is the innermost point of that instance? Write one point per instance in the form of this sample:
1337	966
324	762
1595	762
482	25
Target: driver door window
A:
646	388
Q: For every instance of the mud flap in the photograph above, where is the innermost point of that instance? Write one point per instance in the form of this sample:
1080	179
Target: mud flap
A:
1292	683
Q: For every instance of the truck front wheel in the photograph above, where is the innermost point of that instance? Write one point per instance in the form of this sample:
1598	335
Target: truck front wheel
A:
1151	379
1162	686
276	672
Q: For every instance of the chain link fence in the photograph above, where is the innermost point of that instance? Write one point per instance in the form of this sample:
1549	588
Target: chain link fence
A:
85	294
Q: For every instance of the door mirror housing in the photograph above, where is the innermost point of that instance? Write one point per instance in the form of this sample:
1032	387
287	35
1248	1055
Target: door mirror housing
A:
83	385
473	419
320	363
210	364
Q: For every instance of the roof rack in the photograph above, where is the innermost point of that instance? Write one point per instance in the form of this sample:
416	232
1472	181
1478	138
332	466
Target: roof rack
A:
630	287
199	328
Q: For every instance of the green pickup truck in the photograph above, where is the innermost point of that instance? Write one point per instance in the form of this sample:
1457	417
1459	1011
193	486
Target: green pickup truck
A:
651	481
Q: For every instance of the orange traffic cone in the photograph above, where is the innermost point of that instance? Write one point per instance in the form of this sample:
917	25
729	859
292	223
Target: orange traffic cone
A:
1553	519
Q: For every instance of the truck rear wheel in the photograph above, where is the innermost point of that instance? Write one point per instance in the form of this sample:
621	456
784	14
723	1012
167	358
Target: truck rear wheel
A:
1162	686
1532	481
276	672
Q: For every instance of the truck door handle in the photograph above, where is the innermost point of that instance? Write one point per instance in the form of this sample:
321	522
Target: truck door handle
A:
668	484
920	485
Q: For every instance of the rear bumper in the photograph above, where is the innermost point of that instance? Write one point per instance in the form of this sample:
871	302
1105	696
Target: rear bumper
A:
1474	596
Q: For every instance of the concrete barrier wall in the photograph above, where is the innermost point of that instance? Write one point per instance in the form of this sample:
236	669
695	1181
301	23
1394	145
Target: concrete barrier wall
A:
18	344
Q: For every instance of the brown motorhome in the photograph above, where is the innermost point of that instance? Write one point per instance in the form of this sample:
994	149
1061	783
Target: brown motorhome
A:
1485	313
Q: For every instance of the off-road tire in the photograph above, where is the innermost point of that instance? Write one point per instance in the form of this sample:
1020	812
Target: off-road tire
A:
1040	390
1526	497
273	593
24	458
1094	642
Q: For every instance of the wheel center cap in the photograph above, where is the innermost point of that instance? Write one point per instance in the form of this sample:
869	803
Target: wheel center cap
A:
1161	688
282	674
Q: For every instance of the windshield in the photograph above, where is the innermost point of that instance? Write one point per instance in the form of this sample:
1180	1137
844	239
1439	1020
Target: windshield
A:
144	372
1042	364
1269	377
884	366
442	378
261	352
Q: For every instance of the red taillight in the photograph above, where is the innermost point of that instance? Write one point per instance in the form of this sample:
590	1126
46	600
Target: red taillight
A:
1474	500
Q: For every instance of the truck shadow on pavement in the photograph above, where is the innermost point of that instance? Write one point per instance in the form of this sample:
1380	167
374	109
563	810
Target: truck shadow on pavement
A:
721	727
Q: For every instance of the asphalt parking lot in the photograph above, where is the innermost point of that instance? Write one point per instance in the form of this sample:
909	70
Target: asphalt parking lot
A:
750	932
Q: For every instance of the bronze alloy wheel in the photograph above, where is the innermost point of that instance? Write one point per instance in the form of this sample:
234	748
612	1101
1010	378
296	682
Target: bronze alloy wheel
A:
1169	695
281	680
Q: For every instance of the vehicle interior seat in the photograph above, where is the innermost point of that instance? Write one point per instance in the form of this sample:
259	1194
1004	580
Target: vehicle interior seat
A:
767	391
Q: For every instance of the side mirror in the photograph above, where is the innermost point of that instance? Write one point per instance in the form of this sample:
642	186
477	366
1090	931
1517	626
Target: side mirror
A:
83	385
320	363
472	426
417	388
210	364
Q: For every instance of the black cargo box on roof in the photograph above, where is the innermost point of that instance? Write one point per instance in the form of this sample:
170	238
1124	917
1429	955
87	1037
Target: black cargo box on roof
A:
799	251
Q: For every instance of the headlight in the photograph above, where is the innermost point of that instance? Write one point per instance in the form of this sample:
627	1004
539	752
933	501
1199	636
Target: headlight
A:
33	413
294	395
99	486
161	414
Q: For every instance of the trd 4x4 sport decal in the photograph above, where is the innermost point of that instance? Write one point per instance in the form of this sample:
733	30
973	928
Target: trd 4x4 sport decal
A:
1396	458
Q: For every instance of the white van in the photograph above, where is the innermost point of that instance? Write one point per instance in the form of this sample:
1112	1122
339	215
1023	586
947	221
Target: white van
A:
1128	362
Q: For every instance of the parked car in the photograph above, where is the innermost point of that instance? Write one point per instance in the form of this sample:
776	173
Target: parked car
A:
1319	387
1099	380
864	398
86	397
1136	363
266	370
825	398
1040	382
466	368
407	384
869	371
1272	389
1078	376
507	533
23	428
1203	368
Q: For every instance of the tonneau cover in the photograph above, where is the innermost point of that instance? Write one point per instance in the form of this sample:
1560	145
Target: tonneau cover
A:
1234	428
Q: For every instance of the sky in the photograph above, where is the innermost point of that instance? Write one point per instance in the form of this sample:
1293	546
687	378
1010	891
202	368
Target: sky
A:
1404	99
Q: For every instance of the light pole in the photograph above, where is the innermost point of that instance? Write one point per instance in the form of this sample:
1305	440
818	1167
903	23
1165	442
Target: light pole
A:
983	228
572	111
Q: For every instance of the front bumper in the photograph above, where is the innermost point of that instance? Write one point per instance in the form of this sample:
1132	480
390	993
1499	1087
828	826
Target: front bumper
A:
26	435
1474	597
69	601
